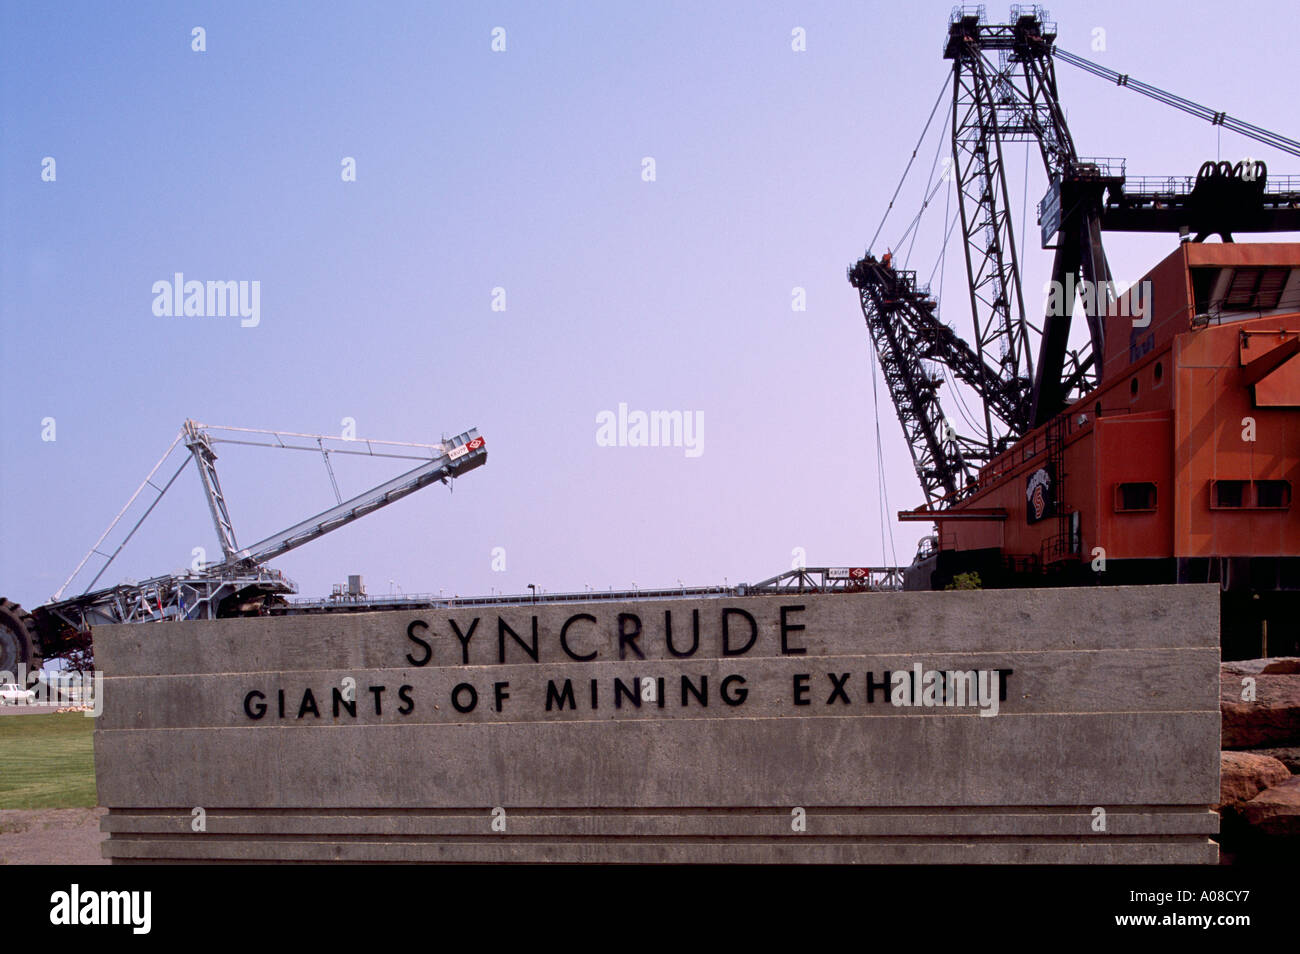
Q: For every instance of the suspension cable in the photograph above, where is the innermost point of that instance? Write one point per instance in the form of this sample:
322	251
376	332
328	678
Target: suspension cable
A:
933	165
1215	117
917	219
962	408
915	150
943	252
882	497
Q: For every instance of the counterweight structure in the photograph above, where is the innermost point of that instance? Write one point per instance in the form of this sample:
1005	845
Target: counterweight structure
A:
1157	447
1025	371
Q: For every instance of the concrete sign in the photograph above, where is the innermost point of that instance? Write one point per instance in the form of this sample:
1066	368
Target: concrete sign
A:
1072	725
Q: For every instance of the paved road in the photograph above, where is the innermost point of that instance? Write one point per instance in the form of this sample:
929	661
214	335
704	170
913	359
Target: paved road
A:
30	710
51	836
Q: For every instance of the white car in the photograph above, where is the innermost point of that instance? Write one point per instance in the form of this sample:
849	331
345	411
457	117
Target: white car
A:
13	694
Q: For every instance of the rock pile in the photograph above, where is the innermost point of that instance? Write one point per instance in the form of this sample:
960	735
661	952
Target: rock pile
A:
1259	785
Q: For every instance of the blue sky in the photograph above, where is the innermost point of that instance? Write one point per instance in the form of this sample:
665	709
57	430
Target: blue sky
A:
521	170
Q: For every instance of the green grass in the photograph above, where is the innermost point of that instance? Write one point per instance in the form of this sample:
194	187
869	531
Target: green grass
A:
47	761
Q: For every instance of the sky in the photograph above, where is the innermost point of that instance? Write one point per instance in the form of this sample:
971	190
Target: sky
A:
520	169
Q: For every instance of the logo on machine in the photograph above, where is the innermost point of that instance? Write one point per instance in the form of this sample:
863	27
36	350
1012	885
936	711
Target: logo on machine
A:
458	452
858	573
1040	494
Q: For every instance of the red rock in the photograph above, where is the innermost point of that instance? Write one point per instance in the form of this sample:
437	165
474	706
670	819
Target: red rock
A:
1281	665
1276	811
1274	666
1243	775
1272	718
1287	755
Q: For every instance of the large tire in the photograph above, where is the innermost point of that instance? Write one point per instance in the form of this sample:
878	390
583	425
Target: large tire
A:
18	643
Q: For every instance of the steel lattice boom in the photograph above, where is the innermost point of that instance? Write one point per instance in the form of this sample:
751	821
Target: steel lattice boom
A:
241	583
911	343
1015	99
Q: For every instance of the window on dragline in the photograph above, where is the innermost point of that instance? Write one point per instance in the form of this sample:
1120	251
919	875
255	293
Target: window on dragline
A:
1255	288
1228	494
1135	497
1273	494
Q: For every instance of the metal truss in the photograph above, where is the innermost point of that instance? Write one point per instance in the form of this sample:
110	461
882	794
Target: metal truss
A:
1015	99
241	584
803	580
912	345
822	579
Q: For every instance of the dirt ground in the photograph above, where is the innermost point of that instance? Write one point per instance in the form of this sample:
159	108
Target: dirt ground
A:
51	836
